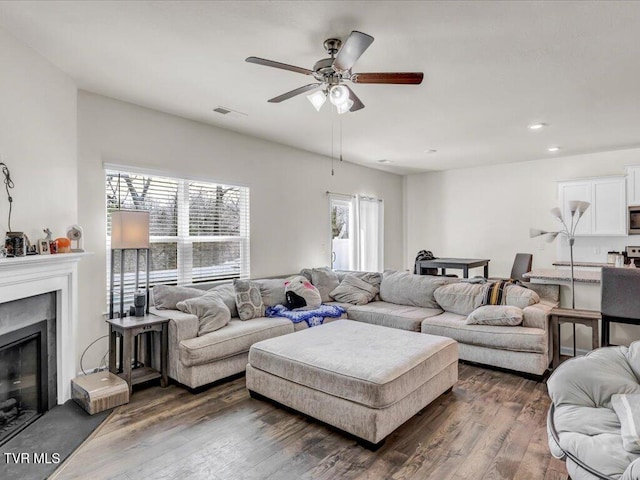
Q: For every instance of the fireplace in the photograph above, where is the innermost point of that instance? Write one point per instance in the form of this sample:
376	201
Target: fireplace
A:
57	277
24	378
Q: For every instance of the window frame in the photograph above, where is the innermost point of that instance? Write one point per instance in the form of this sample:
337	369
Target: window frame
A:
184	272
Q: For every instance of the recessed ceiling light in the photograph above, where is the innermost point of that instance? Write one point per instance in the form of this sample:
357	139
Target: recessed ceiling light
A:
553	149
385	161
430	151
537	126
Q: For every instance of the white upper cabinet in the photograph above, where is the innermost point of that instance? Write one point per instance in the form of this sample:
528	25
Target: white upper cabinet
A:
607	213
633	185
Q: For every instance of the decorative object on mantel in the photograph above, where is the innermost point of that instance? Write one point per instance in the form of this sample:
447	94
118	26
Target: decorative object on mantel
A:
63	245
75	233
14	242
8	183
577	209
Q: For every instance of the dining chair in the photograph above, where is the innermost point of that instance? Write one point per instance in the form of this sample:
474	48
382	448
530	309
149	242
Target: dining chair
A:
620	301
521	265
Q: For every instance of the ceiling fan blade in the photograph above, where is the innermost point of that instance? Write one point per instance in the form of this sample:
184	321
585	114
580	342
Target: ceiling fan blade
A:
283	66
399	78
351	50
357	103
293	93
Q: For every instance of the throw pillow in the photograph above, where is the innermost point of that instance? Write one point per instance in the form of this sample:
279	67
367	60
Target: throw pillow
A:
404	288
354	290
306	273
494	293
522	297
210	309
499	315
300	293
166	297
325	280
248	299
460	298
272	291
228	294
627	407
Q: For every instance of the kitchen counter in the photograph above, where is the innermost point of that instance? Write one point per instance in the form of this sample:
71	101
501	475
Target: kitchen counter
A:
555	276
582	264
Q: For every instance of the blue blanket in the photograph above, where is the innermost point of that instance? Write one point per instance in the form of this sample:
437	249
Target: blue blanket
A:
312	317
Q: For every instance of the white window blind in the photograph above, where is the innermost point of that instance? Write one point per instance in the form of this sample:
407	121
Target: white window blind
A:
199	231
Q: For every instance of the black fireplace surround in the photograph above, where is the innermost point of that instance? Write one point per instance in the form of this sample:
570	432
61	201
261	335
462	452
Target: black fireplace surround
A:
27	362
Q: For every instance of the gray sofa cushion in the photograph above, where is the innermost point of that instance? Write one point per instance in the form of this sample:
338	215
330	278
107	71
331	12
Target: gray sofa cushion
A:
517	339
627	408
373	278
461	298
166	297
391	363
404	288
499	315
520	297
237	337
211	311
391	315
248	299
228	294
325	280
272	291
354	290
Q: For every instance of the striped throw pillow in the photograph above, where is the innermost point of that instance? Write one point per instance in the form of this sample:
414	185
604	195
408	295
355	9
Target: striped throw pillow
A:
494	293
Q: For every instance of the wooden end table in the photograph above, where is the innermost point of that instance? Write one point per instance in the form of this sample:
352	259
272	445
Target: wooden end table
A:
128	328
559	316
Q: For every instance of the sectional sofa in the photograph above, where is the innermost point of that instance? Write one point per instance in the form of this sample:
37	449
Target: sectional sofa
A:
405	301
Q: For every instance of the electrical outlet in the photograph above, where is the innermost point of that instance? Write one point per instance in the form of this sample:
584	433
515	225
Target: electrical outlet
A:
598	250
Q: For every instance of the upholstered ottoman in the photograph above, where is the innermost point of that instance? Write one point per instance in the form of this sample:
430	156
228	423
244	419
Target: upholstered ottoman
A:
364	379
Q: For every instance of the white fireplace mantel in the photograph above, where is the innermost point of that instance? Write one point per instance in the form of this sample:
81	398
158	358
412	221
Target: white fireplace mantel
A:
23	277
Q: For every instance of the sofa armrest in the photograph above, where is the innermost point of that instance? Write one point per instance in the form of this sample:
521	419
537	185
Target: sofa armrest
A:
537	316
182	326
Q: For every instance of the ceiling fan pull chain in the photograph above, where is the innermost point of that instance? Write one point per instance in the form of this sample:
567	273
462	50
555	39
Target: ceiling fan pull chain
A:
332	159
341	139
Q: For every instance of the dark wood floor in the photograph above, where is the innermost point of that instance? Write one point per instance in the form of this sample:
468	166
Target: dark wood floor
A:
491	426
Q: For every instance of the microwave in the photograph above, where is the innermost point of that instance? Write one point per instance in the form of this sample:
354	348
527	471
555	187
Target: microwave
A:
634	220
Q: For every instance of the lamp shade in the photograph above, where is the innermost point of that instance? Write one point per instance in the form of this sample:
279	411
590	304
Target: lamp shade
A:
129	229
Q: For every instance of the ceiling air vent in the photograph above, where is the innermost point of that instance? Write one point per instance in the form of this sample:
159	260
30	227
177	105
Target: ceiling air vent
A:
229	113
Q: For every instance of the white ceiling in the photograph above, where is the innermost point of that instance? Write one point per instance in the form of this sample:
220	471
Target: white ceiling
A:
491	68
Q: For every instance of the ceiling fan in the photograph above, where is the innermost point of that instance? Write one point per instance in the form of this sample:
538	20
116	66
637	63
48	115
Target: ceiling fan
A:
331	73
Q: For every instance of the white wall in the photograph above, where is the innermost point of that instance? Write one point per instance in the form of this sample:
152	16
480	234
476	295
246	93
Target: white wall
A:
38	141
486	212
289	207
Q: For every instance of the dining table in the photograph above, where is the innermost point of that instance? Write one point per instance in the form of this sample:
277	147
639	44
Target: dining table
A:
463	264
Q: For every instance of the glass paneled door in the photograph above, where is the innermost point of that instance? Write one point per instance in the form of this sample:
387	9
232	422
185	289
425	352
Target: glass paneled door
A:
343	241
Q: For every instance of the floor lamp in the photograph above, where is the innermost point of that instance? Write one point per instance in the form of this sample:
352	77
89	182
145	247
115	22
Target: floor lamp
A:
129	231
577	209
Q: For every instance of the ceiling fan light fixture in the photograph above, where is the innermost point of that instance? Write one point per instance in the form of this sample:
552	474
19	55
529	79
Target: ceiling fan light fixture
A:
344	107
338	95
317	99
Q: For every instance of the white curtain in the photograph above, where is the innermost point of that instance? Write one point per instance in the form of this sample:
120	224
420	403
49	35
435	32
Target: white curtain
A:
370	221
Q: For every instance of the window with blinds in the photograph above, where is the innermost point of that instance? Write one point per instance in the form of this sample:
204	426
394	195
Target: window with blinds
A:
199	231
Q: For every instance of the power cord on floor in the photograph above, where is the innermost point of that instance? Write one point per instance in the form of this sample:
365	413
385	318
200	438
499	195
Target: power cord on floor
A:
85	351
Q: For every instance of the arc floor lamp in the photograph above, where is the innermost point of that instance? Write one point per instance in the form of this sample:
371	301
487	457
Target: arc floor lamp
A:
576	209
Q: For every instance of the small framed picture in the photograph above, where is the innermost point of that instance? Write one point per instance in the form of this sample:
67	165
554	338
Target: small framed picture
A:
43	247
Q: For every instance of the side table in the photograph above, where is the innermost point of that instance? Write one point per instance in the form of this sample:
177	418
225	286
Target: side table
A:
559	316
127	329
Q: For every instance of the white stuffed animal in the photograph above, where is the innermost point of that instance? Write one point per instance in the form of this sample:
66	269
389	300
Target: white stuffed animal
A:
301	293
